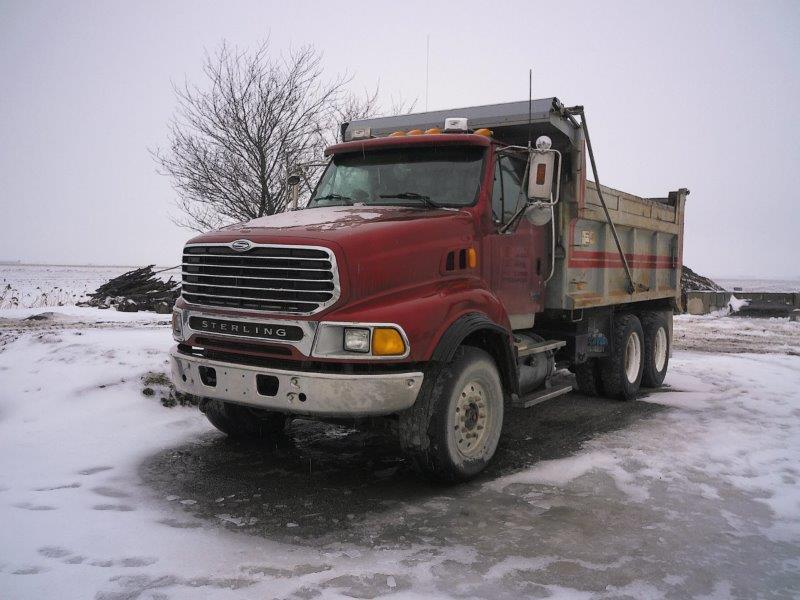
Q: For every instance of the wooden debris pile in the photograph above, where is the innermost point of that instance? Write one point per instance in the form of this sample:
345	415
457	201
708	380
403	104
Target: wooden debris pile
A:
140	289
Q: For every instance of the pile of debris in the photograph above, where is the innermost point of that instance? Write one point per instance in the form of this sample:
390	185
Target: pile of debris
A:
137	290
694	282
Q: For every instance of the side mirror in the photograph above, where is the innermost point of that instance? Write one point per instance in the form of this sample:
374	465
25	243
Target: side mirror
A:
540	176
293	181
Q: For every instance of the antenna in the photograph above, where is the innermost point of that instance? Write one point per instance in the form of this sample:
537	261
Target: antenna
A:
530	106
427	64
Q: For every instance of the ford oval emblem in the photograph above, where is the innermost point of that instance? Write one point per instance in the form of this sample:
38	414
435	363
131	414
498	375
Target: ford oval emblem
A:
241	245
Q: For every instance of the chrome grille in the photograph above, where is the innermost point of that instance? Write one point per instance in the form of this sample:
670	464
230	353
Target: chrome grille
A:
269	278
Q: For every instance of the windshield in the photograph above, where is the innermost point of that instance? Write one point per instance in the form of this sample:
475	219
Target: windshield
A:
430	176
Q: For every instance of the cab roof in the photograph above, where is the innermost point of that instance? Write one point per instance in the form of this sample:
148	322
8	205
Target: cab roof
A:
508	121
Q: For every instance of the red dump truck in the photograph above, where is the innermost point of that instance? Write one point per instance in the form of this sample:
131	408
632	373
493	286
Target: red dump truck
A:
448	266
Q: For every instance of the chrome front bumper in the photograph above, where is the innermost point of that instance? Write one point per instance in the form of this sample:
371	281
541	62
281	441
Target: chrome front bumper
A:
322	394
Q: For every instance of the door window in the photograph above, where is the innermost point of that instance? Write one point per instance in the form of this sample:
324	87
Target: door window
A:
507	192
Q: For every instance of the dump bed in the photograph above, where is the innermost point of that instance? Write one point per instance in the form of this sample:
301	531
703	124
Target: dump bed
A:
588	269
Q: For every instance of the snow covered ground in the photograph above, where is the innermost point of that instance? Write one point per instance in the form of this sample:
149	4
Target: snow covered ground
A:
105	493
715	333
760	285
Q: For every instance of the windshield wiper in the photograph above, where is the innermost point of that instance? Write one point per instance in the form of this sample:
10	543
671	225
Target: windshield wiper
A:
345	199
426	200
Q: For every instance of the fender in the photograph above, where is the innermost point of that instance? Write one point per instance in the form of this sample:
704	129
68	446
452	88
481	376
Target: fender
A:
476	323
426	311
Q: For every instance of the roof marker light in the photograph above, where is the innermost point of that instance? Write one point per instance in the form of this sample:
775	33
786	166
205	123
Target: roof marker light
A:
433	131
456	124
361	133
415	132
484	132
397	134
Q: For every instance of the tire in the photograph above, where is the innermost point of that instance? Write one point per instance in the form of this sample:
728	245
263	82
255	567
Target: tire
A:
621	373
242	422
587	375
656	349
445	433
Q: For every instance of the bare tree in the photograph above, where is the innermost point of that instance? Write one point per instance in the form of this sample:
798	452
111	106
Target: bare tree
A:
233	141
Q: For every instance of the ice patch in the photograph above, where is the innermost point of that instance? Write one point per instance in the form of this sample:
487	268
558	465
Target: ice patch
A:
557	472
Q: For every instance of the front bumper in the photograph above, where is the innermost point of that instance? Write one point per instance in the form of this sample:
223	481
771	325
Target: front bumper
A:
321	394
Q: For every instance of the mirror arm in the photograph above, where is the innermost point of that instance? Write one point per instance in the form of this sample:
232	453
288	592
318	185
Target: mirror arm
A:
297	175
515	217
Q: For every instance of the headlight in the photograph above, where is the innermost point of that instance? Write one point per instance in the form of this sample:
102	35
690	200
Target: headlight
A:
177	325
356	339
360	341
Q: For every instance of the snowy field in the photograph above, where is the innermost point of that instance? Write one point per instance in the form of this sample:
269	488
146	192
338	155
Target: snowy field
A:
37	286
760	285
105	493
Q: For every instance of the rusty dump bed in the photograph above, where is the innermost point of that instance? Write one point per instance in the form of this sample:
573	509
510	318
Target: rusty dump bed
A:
588	268
588	271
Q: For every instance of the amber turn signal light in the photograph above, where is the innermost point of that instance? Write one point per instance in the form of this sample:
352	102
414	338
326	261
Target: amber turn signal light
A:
541	172
387	342
472	258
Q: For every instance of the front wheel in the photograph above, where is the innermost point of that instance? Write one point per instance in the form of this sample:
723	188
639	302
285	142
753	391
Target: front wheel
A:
453	429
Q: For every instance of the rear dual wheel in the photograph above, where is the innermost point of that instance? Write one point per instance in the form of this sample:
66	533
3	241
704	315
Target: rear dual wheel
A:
656	349
621	373
639	357
587	376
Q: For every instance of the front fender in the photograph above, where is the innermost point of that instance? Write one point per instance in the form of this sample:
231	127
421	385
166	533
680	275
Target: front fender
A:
426	311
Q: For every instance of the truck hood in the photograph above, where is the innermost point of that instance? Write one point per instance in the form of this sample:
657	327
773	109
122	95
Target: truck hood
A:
336	222
379	248
346	225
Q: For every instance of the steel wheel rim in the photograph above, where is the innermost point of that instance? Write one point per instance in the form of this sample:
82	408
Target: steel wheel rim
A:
472	419
633	357
660	349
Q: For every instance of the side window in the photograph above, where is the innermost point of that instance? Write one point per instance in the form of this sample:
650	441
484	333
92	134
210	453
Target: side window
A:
507	193
497	194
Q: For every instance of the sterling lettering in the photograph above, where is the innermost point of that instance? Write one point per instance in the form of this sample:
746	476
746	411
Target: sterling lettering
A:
241	328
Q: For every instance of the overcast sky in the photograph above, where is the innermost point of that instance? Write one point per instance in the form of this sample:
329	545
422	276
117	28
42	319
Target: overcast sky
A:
696	94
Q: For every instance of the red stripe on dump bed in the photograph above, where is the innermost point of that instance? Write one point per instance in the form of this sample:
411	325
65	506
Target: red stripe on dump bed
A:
586	259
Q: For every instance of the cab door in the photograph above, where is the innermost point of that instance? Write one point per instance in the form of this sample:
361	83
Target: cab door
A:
518	254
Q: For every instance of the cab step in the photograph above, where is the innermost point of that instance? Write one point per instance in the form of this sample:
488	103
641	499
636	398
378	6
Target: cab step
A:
524	348
540	396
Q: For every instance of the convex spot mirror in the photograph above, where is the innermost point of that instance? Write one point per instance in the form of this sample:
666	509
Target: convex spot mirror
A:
538	213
